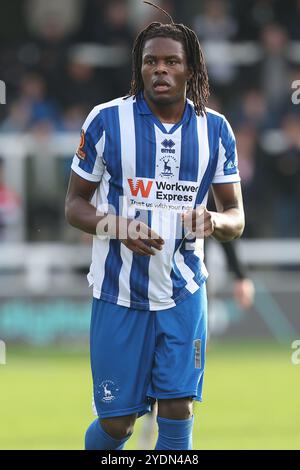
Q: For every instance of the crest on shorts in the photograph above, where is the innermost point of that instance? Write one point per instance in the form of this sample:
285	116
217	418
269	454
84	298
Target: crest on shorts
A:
80	152
107	391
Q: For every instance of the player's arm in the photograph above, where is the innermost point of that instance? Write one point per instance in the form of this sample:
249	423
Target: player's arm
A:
81	214
229	221
244	289
225	224
79	211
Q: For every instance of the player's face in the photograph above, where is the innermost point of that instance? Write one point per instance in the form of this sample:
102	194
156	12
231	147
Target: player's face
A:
165	71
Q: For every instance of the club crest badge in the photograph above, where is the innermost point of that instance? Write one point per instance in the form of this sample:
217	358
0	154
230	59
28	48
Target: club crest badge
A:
107	391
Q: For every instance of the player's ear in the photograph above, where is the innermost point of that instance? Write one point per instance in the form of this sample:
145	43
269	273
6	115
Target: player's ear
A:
189	75
189	80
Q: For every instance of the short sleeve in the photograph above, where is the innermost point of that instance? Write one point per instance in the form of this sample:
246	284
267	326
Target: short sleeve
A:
227	165
88	159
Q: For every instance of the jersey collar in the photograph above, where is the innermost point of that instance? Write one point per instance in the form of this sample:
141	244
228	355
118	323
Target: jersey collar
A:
143	108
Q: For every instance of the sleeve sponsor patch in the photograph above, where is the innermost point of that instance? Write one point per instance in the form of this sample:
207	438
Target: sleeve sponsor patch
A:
80	152
231	165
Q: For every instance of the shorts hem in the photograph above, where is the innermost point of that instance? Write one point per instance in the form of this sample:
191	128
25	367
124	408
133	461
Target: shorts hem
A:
140	409
162	396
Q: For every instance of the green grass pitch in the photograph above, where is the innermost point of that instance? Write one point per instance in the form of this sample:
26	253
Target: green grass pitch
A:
251	399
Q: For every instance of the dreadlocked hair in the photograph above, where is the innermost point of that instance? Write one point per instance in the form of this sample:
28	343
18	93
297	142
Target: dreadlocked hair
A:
198	87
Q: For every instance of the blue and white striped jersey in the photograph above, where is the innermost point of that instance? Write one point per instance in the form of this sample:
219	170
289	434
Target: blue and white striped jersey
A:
147	172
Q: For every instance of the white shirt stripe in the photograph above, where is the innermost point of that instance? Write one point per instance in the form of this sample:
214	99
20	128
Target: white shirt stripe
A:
127	131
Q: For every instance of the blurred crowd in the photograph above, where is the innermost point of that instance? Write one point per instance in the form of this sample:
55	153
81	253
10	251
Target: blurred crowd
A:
61	58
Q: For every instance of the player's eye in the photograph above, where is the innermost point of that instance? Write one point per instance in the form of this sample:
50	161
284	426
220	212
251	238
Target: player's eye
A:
149	61
172	62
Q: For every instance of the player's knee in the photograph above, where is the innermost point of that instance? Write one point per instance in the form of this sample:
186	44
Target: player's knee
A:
119	427
179	408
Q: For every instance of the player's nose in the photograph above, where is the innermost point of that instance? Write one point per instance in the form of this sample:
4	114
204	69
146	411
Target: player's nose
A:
161	68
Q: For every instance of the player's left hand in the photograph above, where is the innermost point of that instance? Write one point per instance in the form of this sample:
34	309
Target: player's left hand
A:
244	293
200	222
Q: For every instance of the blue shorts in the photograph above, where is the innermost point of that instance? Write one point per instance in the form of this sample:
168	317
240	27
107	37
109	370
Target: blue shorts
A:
138	355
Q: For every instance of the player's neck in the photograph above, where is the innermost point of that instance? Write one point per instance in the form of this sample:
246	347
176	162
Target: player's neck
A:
167	113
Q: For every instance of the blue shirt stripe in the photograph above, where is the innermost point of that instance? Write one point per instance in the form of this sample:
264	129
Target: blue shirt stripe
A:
139	274
189	162
93	134
145	145
228	142
213	129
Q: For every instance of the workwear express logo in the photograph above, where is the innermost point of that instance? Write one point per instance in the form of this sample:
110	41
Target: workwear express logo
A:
2	92
141	187
170	192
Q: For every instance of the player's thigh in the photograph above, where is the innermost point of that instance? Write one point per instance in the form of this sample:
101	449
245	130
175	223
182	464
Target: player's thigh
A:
122	344
180	349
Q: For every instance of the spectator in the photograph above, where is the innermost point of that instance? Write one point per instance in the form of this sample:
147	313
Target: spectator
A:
284	168
290	17
251	162
33	94
107	22
79	84
10	210
216	28
253	15
45	18
215	23
251	108
18	118
271	73
142	16
274	67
